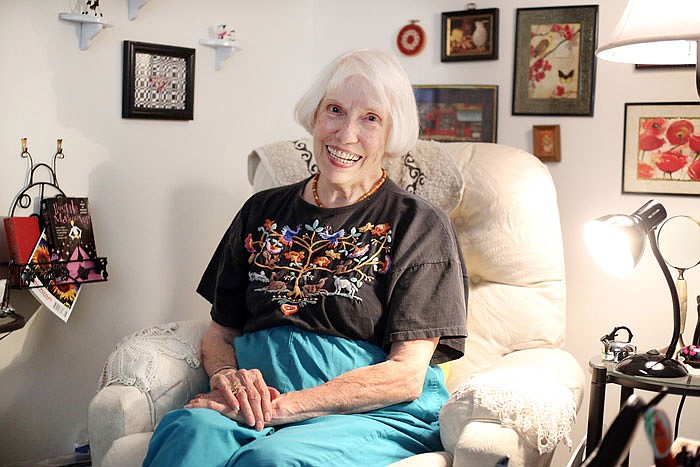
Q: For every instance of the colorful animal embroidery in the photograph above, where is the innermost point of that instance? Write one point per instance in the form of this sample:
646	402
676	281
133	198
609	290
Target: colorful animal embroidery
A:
297	265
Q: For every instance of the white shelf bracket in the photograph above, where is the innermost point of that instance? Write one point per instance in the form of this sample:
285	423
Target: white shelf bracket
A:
88	26
223	50
134	7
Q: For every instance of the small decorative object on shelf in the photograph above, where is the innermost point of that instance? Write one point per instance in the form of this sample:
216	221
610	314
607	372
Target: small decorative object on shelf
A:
53	271
223	40
91	7
89	18
411	39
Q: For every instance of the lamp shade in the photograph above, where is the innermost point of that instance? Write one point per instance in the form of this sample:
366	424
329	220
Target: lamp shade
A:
655	32
616	241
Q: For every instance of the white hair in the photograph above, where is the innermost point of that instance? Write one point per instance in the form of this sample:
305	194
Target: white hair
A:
385	77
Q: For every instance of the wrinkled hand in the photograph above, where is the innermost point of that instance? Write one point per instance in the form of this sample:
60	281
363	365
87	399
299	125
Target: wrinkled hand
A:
240	395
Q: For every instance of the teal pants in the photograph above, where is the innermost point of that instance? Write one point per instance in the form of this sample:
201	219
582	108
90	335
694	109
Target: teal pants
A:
292	359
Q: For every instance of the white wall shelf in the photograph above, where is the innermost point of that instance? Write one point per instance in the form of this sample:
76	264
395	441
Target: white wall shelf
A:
134	6
88	26
223	50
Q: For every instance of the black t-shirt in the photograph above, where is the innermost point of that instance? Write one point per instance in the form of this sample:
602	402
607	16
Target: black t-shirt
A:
385	269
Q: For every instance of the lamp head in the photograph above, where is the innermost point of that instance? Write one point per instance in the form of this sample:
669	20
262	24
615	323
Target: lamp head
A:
617	241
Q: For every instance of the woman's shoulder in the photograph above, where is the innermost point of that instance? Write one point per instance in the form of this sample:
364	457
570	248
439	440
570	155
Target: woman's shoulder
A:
420	206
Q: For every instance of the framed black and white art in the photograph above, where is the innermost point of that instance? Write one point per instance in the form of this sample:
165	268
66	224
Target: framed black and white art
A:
158	81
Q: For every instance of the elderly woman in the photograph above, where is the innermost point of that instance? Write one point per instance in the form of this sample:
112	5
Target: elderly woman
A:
333	300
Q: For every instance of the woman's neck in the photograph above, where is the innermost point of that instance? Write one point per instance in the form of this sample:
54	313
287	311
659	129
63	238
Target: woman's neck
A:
324	194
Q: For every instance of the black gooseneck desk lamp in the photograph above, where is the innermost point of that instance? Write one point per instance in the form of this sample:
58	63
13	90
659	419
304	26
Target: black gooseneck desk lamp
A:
617	243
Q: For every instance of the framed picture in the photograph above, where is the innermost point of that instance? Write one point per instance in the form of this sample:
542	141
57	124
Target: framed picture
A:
158	81
546	142
469	35
662	148
457	113
639	66
554	71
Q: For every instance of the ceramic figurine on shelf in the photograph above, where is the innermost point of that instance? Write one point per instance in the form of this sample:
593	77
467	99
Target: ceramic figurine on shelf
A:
223	33
91	7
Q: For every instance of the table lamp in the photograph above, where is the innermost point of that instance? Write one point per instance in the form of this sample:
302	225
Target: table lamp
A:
617	243
656	33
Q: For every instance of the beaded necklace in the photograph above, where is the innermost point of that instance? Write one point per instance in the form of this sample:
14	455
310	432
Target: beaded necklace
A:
314	188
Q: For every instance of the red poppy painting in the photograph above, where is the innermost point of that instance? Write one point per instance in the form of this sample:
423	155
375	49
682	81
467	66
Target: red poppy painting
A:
662	148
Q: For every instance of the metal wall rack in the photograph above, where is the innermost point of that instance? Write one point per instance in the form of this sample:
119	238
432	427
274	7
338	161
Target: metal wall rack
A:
56	271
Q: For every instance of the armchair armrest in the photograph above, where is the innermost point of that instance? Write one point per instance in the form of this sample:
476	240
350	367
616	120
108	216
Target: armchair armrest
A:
528	399
147	375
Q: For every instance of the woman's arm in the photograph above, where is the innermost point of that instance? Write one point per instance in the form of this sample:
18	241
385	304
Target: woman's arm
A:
398	379
251	399
217	348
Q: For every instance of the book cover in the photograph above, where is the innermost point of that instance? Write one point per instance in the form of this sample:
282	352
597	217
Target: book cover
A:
70	235
59	297
22	234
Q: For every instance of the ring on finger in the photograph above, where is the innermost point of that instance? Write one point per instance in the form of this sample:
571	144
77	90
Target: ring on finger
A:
235	387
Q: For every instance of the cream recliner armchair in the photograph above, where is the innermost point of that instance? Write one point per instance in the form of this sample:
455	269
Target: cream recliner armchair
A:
515	393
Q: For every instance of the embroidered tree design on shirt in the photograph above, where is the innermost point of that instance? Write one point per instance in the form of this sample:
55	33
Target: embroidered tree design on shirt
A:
297	265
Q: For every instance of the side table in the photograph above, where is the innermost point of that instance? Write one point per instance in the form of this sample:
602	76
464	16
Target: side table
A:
603	373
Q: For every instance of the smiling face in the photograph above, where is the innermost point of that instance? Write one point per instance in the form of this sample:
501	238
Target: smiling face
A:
350	136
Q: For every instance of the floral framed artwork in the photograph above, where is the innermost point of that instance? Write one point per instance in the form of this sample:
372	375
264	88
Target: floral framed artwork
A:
662	148
554	71
546	142
457	112
158	81
469	35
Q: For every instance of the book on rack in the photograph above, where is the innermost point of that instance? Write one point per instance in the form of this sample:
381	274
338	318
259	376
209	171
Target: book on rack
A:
41	274
70	235
22	234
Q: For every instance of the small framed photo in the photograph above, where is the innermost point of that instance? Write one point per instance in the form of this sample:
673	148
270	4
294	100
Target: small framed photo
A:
457	113
661	148
554	60
158	81
546	142
469	35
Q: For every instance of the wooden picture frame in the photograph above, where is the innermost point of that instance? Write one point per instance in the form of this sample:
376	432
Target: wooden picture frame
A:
158	81
661	148
554	70
546	142
457	112
469	35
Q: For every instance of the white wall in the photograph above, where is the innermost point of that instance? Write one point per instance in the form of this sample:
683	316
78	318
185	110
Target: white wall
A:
161	192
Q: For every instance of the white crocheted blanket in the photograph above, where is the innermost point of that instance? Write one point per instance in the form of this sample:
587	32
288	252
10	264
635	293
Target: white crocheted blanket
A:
541	411
427	170
135	360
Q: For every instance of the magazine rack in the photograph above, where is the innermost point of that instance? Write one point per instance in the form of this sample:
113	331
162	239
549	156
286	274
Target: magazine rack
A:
56	271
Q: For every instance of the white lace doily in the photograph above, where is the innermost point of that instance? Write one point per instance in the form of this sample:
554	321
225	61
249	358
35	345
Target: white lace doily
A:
541	410
135	360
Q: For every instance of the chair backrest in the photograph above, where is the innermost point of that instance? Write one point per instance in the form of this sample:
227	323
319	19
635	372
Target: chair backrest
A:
508	227
503	204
